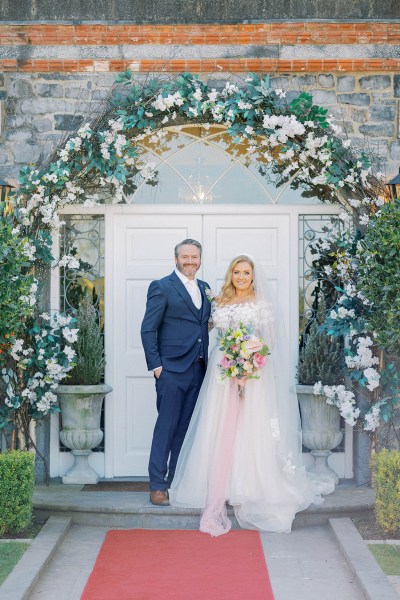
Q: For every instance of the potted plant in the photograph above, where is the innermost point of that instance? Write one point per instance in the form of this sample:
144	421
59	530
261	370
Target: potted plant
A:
321	359
82	398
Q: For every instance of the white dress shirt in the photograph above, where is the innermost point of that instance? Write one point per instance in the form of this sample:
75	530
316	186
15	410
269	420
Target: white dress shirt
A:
192	287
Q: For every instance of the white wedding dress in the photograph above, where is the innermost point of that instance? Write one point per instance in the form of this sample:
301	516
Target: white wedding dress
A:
236	449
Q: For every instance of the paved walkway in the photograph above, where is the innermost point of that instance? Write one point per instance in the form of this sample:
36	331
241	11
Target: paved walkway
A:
324	558
303	565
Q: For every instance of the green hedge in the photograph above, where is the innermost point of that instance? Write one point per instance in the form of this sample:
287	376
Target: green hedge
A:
17	478
386	470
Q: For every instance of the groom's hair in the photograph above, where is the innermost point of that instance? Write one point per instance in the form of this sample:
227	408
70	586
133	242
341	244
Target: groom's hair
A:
185	243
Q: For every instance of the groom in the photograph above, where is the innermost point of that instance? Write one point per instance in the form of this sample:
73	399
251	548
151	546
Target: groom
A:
175	341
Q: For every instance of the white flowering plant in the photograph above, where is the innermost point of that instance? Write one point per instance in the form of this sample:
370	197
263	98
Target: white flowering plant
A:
365	259
18	286
40	360
102	159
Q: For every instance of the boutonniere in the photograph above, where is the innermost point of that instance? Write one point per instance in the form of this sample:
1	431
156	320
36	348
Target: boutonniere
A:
210	294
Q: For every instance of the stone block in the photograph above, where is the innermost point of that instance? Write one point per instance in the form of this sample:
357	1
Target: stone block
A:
323	97
375	82
356	99
11	106
383	98
21	89
3	95
1	80
77	92
42	124
46	106
14	121
381	130
395	150
377	147
21	135
396	86
100	94
359	115
67	122
346	83
347	126
26	153
326	81
291	95
303	81
3	158
49	90
281	82
104	80
382	113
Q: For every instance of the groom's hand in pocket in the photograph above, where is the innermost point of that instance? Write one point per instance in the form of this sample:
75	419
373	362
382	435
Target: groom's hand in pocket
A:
157	372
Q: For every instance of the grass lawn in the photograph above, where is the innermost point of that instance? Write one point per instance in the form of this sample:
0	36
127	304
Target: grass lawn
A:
388	557
10	553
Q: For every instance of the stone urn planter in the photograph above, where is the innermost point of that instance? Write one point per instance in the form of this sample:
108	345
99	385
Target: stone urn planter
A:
80	416
321	429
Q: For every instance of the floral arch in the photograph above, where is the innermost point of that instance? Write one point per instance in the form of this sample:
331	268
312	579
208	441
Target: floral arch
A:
298	141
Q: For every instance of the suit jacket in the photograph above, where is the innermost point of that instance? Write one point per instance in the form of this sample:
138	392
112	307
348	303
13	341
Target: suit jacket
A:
174	332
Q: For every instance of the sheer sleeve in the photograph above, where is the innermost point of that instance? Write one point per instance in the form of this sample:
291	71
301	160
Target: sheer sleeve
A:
266	319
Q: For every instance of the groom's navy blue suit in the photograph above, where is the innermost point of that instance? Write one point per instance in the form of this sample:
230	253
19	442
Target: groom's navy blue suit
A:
174	336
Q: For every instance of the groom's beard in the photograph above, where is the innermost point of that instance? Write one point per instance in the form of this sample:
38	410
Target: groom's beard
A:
189	270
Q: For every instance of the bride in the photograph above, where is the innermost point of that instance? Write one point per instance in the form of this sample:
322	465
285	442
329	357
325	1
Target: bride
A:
245	449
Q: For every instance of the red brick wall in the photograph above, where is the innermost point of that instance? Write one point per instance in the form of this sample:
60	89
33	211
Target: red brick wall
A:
296	33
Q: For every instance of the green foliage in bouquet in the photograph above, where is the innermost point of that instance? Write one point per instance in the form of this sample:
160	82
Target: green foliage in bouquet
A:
89	347
321	358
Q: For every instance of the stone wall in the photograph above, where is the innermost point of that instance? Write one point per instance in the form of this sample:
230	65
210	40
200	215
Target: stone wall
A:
53	75
42	108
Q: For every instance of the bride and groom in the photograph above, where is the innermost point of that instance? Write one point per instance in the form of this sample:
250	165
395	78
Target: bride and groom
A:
212	446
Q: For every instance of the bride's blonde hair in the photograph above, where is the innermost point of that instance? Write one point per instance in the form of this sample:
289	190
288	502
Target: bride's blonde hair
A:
228	289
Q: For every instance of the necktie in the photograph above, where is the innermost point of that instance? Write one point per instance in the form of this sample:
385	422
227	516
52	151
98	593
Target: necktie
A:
194	292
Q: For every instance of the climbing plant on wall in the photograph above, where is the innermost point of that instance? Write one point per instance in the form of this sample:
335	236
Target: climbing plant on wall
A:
298	139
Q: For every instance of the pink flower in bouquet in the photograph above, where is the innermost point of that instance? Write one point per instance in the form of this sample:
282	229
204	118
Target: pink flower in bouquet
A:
259	360
225	362
250	346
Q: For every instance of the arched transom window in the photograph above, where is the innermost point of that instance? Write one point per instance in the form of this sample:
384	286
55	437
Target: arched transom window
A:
201	164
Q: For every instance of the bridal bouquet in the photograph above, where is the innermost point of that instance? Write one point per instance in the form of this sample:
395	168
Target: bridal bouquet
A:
244	354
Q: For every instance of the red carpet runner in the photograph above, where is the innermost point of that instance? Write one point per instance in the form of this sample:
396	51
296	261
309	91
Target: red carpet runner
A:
140	564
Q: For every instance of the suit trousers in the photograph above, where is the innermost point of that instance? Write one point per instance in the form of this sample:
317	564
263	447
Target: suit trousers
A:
176	398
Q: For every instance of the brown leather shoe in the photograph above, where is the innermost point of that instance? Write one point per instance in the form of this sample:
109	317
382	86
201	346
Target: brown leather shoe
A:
159	498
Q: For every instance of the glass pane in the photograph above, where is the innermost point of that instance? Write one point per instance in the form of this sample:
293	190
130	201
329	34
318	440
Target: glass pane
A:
169	188
207	166
237	186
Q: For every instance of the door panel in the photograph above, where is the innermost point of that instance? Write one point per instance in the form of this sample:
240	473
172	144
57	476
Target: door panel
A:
266	237
142	252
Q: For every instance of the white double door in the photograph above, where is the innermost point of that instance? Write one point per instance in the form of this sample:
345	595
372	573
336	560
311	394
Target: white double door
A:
143	250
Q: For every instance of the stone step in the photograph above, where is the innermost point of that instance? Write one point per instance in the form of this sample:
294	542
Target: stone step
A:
134	510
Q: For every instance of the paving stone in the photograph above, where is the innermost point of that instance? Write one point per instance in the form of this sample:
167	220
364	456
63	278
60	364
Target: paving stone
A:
370	576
